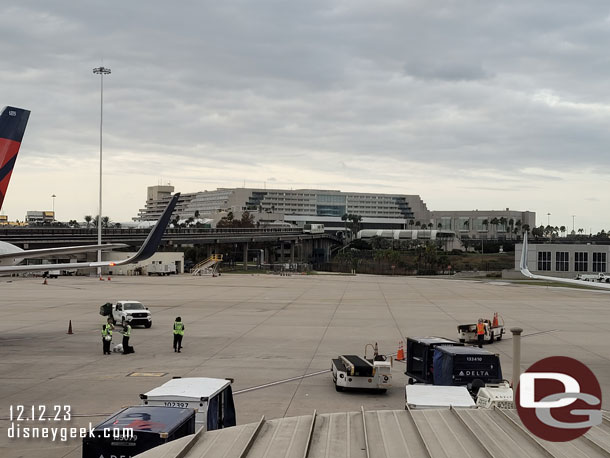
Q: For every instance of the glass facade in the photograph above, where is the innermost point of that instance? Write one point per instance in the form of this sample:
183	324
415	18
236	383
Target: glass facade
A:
544	260
581	261
599	262
330	205
562	261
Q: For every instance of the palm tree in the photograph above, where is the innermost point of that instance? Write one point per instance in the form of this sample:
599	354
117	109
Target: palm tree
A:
486	224
494	223
88	219
417	224
511	225
344	219
502	221
563	229
105	221
356	220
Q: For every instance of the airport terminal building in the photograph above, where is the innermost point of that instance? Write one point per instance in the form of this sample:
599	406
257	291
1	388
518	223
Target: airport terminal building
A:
564	259
317	206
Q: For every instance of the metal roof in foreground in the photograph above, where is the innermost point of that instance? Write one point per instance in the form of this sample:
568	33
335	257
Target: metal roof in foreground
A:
459	433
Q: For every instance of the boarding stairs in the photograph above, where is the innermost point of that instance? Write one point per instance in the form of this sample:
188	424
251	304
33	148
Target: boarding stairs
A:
208	266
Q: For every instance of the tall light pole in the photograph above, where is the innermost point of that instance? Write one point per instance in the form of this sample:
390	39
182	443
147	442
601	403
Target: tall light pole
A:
100	71
54	196
548	219
573	216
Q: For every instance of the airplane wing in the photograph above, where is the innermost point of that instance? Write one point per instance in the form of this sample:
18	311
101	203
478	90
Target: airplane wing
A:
525	271
148	248
44	252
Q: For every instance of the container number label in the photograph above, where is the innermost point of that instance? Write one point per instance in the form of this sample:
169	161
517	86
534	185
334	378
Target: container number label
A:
176	404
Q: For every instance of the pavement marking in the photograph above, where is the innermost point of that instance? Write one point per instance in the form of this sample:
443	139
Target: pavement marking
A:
146	374
278	382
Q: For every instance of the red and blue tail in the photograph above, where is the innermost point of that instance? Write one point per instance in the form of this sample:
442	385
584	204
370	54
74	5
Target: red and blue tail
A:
12	126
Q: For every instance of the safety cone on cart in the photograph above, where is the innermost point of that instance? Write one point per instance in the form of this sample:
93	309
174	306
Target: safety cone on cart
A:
400	356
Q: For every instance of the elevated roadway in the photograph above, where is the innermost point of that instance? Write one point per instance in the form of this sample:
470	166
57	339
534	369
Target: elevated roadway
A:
42	237
283	242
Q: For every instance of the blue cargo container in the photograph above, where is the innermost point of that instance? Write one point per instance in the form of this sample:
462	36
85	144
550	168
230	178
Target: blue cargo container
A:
454	365
136	429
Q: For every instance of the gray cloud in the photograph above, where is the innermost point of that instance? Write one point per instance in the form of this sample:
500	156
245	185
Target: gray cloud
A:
242	88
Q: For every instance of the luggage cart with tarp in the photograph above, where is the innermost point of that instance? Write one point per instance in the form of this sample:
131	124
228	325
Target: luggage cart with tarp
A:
420	351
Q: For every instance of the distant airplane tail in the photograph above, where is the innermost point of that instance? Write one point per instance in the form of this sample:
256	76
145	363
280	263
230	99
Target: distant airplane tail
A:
12	126
523	261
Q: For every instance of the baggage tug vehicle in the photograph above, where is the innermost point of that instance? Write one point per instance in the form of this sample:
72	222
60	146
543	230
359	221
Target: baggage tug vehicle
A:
353	371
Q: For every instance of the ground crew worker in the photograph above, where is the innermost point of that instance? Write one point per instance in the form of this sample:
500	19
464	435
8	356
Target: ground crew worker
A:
107	336
178	334
480	332
126	335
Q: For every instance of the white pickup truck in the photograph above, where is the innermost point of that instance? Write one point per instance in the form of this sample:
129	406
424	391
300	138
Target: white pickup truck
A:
120	310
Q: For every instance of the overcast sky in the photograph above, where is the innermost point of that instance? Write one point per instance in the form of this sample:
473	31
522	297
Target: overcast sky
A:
470	104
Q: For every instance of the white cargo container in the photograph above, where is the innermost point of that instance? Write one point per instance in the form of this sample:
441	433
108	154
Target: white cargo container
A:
437	397
212	399
495	395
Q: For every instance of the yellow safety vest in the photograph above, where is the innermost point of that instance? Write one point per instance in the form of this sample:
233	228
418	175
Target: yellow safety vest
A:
178	328
106	330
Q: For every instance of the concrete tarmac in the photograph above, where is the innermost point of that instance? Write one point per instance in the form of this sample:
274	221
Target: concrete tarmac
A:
258	329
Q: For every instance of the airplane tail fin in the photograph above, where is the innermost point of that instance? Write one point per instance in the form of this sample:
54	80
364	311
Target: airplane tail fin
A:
12	126
523	261
150	245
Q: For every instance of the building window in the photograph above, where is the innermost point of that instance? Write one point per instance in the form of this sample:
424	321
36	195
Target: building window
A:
581	261
464	223
562	261
544	260
599	262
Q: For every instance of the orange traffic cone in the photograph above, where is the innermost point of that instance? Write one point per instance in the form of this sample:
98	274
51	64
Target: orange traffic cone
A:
495	320
108	277
101	278
70	328
400	356
44	282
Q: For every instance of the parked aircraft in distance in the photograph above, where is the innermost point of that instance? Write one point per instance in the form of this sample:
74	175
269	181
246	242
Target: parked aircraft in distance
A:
525	271
13	122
